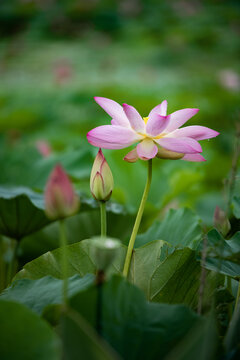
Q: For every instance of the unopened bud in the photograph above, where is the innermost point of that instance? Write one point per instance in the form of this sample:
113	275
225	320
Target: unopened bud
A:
60	199
44	148
221	221
101	180
104	251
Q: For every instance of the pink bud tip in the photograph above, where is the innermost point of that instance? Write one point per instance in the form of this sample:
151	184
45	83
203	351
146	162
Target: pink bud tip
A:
60	199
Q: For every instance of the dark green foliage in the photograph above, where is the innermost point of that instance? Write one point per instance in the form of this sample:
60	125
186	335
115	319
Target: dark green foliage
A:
21	212
37	294
223	255
24	335
135	328
180	228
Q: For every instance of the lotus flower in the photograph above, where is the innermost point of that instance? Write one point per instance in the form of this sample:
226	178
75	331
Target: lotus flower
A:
60	199
158	135
101	180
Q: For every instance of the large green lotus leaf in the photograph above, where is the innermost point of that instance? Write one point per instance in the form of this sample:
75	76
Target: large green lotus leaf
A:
176	280
24	335
80	340
145	260
223	255
134	327
200	343
21	212
80	261
162	277
180	228
37	294
82	226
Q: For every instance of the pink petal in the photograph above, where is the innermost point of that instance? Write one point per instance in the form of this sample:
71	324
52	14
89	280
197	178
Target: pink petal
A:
134	118
160	109
114	110
112	137
178	118
146	149
156	124
193	157
180	145
196	132
132	156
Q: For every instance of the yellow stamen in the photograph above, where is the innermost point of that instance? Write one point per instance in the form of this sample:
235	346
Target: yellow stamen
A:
145	119
159	136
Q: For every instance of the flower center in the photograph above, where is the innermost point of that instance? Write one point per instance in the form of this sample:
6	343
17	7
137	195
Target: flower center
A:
147	136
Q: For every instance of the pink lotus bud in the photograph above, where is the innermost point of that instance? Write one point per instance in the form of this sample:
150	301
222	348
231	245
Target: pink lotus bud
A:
221	221
60	199
101	180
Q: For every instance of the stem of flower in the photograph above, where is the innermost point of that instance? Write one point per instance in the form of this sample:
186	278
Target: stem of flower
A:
232	178
12	268
229	287
63	245
237	298
138	220
203	274
103	219
2	266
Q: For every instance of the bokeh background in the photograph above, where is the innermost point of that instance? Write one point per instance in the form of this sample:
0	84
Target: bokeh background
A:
55	56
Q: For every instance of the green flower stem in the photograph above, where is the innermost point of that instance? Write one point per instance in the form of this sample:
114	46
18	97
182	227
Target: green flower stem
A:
229	287
103	218
237	298
13	265
2	266
138	220
63	245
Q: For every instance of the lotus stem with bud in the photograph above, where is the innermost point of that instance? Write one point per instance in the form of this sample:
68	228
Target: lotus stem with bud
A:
60	202
101	186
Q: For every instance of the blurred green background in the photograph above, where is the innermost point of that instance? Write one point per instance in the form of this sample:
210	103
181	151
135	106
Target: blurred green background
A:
56	55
